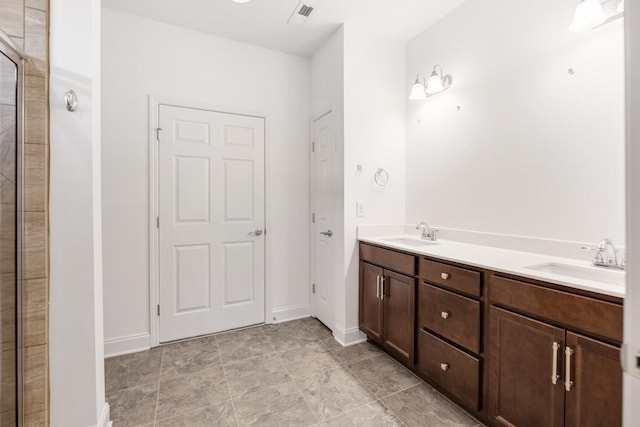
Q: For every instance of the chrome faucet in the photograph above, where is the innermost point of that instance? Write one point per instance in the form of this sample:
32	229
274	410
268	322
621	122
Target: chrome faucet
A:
428	233
607	255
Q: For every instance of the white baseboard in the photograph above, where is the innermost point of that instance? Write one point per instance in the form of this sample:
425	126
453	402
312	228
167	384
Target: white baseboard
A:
104	420
347	337
125	345
286	314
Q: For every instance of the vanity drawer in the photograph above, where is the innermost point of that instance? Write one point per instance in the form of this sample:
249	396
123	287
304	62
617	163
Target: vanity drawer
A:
590	315
453	316
456	278
396	261
453	369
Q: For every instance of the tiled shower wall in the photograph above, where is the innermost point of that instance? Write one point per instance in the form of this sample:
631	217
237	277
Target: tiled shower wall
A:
26	21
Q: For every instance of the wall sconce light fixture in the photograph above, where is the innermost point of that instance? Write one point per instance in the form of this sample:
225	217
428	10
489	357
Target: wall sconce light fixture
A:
437	83
591	14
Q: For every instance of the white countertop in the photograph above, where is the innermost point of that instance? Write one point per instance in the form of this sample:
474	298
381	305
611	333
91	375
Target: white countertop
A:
506	261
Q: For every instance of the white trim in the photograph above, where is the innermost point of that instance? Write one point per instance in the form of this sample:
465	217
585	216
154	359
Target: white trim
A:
154	283
285	314
348	337
125	345
104	420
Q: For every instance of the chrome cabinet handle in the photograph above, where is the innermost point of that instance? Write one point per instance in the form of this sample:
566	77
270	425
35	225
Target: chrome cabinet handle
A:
445	276
382	280
554	374
568	352
378	286
327	233
445	315
444	367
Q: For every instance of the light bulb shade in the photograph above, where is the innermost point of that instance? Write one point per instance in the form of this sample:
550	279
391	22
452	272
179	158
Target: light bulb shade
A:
435	84
589	14
417	91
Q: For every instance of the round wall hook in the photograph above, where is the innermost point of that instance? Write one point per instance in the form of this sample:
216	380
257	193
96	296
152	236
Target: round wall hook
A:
71	100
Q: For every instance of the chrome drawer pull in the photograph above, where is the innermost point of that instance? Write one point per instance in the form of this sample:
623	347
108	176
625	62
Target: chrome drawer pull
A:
554	374
444	366
568	352
378	286
382	280
445	276
444	315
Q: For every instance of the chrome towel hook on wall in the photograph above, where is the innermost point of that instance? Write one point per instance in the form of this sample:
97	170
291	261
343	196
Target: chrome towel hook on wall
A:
71	100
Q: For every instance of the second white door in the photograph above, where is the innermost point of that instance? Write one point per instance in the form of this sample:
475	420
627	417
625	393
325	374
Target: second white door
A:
323	171
211	221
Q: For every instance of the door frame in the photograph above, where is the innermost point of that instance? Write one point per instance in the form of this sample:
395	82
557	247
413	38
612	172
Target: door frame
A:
312	271
154	239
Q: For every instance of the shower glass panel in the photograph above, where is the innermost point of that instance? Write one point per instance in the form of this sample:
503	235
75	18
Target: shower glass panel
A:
10	236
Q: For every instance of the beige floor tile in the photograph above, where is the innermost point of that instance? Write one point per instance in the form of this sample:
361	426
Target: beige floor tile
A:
282	405
383	376
133	370
374	414
255	374
333	392
185	393
216	415
133	406
423	406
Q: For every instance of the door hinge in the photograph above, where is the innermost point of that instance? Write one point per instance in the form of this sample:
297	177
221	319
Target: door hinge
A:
313	288
157	222
158	309
158	134
313	218
313	147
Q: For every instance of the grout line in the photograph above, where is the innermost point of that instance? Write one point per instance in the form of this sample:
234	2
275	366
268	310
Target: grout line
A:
226	381
155	413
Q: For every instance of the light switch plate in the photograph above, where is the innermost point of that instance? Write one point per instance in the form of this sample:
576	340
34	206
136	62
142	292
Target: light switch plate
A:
360	208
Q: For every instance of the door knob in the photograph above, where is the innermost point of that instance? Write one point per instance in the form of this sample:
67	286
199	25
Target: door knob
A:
327	233
258	232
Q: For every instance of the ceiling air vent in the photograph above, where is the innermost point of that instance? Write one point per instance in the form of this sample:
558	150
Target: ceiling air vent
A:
305	10
302	12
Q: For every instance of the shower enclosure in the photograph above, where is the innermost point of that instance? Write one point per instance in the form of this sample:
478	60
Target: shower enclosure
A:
11	220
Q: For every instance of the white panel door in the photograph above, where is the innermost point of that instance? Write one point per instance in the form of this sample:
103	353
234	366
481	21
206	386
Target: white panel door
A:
323	205
211	219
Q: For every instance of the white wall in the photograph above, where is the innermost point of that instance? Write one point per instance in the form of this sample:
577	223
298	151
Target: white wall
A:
141	58
76	329
533	151
632	300
362	76
374	137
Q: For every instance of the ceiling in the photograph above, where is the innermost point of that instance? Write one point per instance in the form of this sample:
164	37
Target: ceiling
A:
264	22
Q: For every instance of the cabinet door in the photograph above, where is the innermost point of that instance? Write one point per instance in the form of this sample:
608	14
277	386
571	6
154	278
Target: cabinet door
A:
595	396
522	355
370	301
399	315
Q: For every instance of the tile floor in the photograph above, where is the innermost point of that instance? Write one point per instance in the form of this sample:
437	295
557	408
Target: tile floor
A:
289	374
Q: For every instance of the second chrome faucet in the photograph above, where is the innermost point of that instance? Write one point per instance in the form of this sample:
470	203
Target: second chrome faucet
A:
428	233
607	255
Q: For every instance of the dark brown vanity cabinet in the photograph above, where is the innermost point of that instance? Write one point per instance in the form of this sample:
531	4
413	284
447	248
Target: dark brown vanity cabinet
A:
387	301
543	374
513	351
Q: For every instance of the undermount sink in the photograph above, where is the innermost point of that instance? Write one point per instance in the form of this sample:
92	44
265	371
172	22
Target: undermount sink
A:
595	274
411	242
